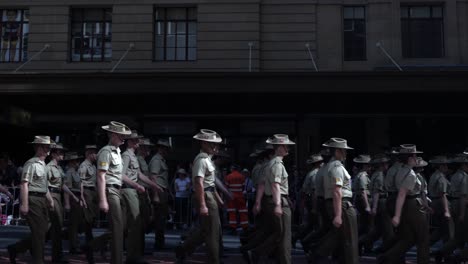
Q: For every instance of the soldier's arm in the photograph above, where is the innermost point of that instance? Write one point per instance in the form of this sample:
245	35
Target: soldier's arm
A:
131	183
400	201
24	195
50	200
101	186
220	186
259	196
147	180
199	191
337	196
375	202
68	192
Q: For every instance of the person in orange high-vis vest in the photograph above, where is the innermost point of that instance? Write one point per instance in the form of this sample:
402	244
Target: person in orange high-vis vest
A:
235	183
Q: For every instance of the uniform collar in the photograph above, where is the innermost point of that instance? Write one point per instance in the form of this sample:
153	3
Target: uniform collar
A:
114	148
53	163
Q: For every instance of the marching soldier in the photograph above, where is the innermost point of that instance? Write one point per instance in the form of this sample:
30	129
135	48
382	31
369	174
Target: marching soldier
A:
277	205
145	202
89	199
323	223
382	224
362	198
337	193
438	189
35	202
131	205
458	194
409	217
310	198
203	178
109	183
160	175
73	182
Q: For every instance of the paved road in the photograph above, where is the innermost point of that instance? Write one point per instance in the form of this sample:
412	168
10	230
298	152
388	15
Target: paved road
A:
10	234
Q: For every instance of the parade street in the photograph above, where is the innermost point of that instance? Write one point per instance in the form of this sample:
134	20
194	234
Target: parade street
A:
10	234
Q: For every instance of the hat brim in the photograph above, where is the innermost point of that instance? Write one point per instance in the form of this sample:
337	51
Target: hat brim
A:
74	158
309	161
37	143
330	146
414	152
217	140
280	143
125	133
163	145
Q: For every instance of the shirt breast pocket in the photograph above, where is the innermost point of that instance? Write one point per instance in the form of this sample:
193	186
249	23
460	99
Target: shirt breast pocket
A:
209	169
39	174
134	164
115	159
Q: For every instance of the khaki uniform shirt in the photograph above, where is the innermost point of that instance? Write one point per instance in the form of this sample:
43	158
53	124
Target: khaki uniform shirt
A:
204	167
390	177
337	176
458	184
159	168
72	179
262	171
319	189
55	174
407	178
143	165
275	172
131	167
35	173
255	173
438	185
109	160
309	182
87	172
423	183
377	183
362	183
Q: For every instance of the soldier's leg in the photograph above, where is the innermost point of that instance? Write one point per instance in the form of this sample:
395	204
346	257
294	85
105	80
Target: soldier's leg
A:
161	211
130	199
285	242
38	223
329	242
349	231
211	228
116	225
75	219
56	220
273	229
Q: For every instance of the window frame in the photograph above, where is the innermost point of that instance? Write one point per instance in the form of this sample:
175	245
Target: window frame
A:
21	23
343	32
82	9
165	21
431	18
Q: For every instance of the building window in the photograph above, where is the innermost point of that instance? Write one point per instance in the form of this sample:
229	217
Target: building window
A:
422	30
175	33
91	34
14	32
354	36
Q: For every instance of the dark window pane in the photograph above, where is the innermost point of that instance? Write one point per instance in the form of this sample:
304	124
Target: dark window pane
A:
354	36
192	41
15	34
159	28
159	53
170	54
192	54
404	12
171	41
171	28
359	12
176	14
348	13
181	41
423	36
192	28
159	13
159	41
180	54
181	27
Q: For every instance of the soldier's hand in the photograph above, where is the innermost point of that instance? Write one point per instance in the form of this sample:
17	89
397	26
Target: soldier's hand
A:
396	221
278	210
104	206
447	214
140	189
368	210
257	208
67	207
76	199
24	209
51	205
204	211
337	222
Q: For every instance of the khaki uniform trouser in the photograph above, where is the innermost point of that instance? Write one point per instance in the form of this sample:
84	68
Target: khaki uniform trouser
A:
116	226
382	226
344	239
133	223
260	233
413	230
161	211
460	228
278	239
76	218
208	231
90	213
38	221
445	227
146	218
56	221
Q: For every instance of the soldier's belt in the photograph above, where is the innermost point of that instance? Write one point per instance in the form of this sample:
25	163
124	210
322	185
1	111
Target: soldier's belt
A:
89	188
37	194
344	199
409	197
209	189
116	186
55	190
126	186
